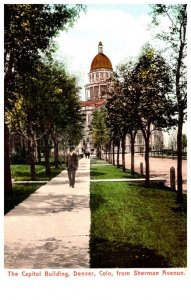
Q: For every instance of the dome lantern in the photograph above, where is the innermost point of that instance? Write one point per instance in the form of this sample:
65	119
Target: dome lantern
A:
100	47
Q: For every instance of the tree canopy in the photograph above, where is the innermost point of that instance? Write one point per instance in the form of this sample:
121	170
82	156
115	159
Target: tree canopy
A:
176	40
28	33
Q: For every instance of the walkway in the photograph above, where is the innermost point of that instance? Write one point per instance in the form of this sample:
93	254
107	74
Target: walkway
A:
51	228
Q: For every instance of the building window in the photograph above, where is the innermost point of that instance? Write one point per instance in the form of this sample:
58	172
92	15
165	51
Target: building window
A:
96	91
91	92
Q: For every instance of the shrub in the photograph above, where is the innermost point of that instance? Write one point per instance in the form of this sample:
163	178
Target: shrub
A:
19	157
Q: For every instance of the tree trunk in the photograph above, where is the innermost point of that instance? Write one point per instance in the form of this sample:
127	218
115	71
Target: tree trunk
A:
31	153
56	157
99	153
106	154
180	121
123	152
147	169
179	159
32	168
132	154
118	149
113	153
110	159
47	155
7	162
39	151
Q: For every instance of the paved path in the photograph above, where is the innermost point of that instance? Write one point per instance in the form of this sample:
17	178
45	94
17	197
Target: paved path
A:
51	228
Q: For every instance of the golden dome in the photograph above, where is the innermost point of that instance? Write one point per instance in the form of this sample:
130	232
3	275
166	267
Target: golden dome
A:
101	60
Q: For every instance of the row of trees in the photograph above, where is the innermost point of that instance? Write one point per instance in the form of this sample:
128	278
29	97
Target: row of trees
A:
149	93
41	99
46	108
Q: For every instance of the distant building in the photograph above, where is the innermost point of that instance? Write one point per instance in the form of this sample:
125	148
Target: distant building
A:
95	96
95	92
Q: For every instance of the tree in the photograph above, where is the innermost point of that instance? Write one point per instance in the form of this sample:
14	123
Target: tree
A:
99	130
155	108
176	39
129	104
122	108
29	30
60	107
115	114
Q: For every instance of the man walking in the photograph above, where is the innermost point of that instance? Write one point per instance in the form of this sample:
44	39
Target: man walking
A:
72	165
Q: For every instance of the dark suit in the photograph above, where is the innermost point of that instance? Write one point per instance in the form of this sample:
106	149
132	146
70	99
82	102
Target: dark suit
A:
72	166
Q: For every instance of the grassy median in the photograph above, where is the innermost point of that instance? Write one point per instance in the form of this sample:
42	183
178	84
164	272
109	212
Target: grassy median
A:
134	226
22	191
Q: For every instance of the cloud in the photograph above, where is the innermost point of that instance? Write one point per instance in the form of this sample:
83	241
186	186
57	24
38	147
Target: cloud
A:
122	34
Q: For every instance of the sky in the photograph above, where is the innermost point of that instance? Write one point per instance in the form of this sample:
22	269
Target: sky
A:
123	30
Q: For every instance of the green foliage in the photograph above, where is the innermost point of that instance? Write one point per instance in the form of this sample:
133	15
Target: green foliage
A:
154	87
99	129
30	28
19	157
175	37
48	101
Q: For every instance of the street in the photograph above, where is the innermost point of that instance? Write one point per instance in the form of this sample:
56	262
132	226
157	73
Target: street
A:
159	167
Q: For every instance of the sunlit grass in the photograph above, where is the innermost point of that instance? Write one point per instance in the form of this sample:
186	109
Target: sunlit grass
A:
109	172
22	172
138	216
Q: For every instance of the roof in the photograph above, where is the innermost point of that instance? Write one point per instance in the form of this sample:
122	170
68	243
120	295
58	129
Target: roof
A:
95	102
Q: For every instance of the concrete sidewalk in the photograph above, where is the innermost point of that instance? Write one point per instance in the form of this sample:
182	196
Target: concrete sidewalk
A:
51	228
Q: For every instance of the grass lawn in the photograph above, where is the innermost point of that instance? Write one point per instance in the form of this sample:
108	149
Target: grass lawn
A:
109	172
95	161
22	172
22	191
133	226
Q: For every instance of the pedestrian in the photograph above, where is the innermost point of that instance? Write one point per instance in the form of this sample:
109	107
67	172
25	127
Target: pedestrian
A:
72	165
86	153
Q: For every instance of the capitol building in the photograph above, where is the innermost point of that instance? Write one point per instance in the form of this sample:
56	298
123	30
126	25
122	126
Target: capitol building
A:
95	97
